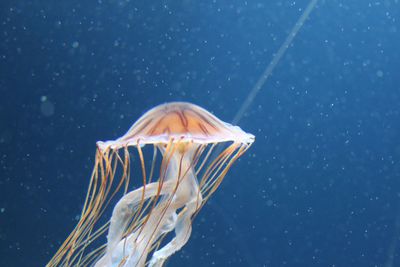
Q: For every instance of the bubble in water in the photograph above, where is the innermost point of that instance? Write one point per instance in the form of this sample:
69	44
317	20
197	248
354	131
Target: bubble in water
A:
46	107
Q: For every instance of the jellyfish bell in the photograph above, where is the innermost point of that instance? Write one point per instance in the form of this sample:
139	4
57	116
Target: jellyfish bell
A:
152	221
182	122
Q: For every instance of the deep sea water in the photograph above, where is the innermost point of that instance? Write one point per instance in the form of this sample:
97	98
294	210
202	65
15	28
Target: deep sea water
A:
319	187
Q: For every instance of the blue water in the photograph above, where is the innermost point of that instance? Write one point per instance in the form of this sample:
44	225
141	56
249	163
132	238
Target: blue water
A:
319	187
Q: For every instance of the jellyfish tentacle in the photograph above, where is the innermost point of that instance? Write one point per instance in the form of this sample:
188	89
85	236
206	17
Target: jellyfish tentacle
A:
123	212
162	220
183	229
190	198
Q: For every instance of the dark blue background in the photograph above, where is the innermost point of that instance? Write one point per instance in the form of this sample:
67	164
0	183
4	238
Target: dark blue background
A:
319	187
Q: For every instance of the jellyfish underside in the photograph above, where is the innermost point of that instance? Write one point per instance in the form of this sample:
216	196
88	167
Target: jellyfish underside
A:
176	180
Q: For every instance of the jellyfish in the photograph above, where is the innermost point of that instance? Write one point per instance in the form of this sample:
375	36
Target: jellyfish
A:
154	180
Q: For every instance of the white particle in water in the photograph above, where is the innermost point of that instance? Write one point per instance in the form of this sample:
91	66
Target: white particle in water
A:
47	107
